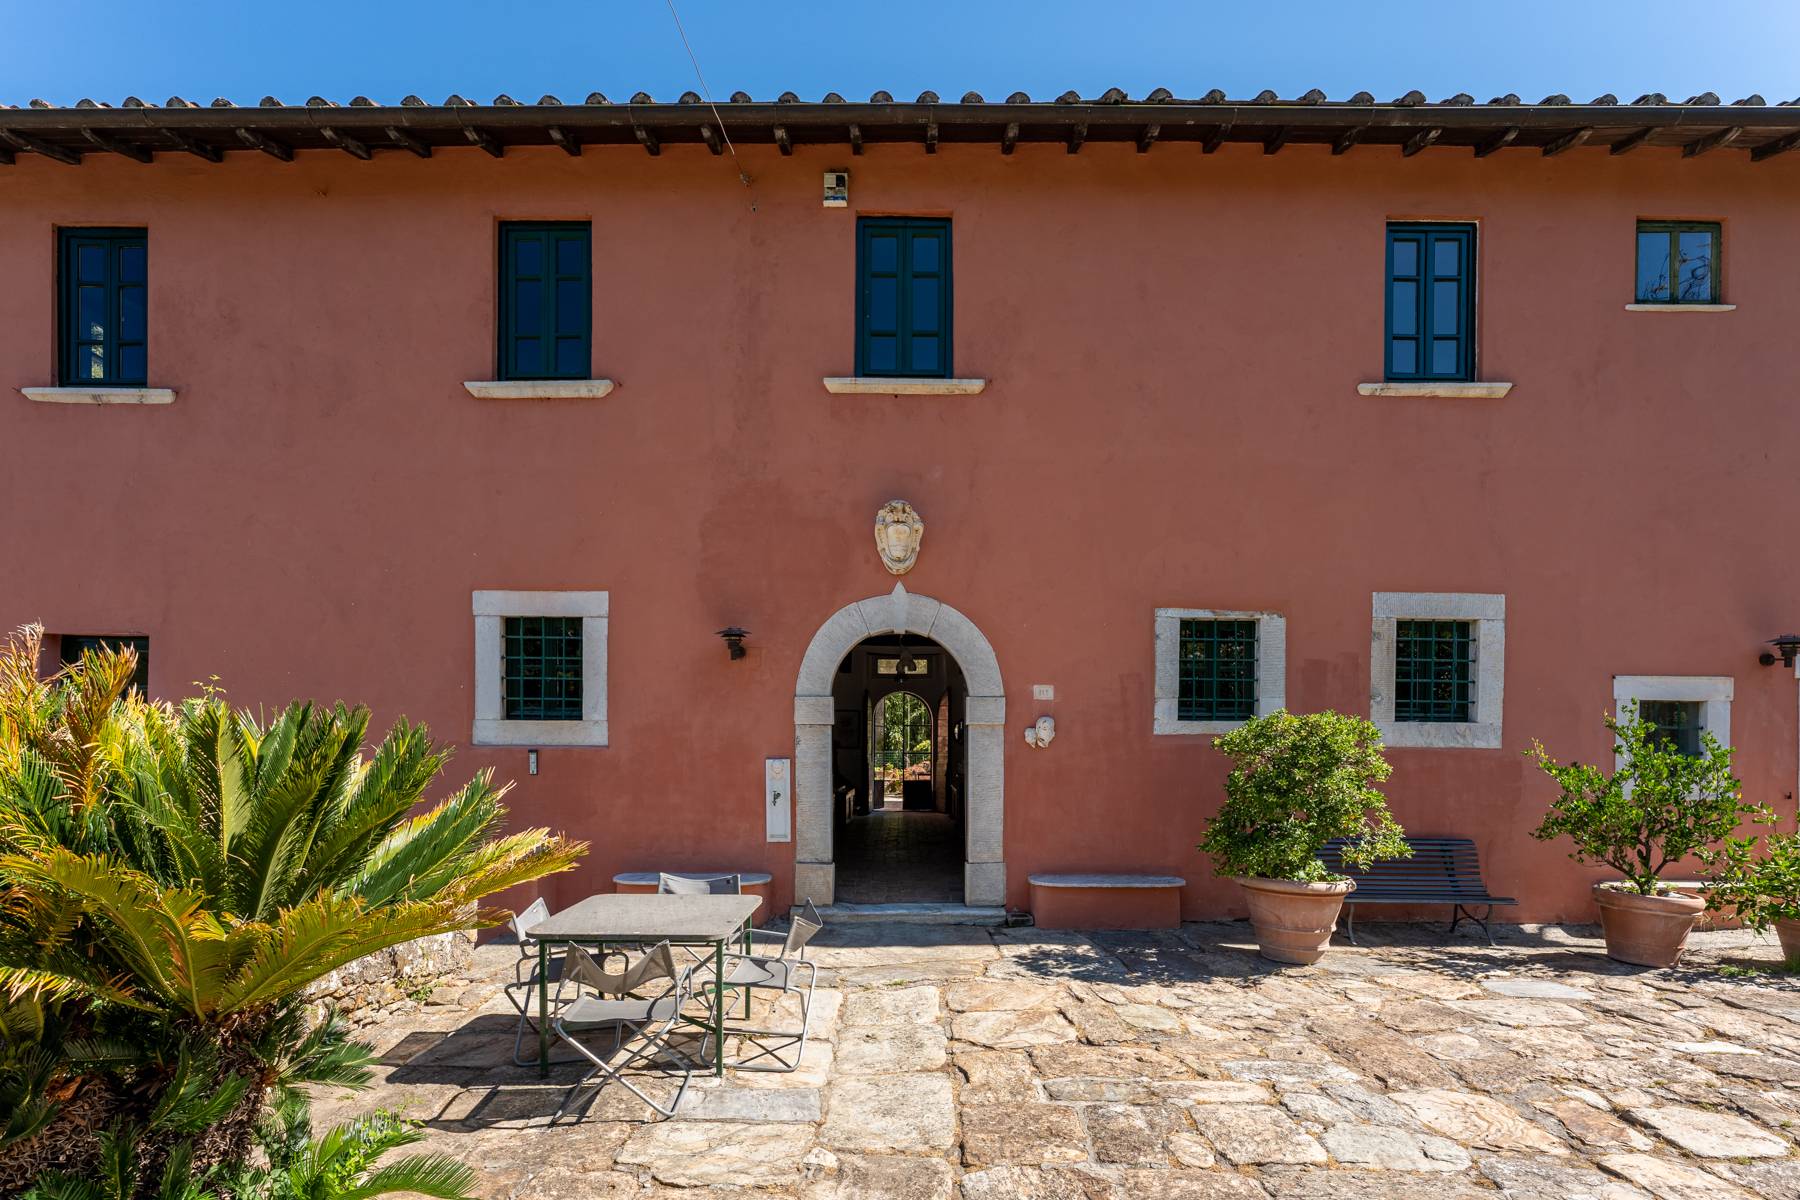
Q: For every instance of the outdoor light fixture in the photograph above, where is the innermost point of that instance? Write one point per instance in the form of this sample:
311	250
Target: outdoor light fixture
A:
1786	647
734	638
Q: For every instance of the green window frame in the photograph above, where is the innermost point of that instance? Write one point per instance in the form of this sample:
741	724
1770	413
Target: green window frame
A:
1216	668
1678	262
1430	302
541	668
1434	671
71	646
1674	723
546	300
903	297
103	307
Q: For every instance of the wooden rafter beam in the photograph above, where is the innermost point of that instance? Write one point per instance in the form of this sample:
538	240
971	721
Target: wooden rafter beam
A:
1712	141
1147	138
115	146
1077	137
1499	141
268	146
1419	141
1347	139
855	138
343	141
1630	141
1009	137
783	142
1215	139
931	137
6	157
484	139
407	141
1778	146
55	153
1277	139
1568	141
710	135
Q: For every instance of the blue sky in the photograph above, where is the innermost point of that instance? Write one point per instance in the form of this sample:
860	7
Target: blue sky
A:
62	50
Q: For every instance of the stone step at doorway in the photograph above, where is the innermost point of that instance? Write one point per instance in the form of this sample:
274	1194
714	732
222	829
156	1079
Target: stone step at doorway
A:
913	914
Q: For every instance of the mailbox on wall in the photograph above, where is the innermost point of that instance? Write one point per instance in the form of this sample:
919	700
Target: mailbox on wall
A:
778	799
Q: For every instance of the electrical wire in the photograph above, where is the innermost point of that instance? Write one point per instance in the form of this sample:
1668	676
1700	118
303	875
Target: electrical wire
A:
706	92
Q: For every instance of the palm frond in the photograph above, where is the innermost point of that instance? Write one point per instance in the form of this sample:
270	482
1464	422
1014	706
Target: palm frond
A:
420	857
321	935
421	1174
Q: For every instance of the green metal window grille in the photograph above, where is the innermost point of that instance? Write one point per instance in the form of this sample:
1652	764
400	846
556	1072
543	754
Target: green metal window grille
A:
1434	670
1677	262
1674	723
541	668
903	297
1216	671
73	645
546	300
103	280
1430	302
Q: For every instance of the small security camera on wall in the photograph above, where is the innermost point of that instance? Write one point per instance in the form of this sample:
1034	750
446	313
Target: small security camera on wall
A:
837	189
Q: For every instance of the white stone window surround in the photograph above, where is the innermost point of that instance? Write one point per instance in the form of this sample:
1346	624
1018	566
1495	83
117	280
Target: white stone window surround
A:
1487	612
1712	692
491	608
1271	667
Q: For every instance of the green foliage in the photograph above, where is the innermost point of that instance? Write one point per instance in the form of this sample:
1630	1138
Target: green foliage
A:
1655	808
1761	891
1298	781
174	877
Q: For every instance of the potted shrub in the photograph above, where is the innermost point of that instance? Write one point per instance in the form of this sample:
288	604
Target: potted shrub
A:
1763	891
1656	807
1297	782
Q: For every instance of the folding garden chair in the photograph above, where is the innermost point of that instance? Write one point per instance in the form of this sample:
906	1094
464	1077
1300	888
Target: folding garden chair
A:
714	885
777	974
521	993
639	1027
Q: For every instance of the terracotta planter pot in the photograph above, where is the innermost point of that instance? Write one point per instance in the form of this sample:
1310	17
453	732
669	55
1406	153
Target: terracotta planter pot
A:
1293	921
1789	933
1646	931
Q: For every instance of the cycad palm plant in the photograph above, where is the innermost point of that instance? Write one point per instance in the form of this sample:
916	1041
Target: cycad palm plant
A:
173	877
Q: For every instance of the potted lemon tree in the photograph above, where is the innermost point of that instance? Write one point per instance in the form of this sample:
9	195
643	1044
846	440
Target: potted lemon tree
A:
1297	782
1657	806
1763	891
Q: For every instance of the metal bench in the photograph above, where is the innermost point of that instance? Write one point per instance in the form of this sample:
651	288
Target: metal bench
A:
1440	871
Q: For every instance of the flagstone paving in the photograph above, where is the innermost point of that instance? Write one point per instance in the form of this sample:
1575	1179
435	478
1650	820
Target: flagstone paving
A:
1012	1064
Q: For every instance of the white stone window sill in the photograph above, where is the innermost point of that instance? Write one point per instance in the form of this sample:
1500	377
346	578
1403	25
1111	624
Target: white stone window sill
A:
538	389
1681	308
1448	391
99	395
494	732
1439	735
1164	727
875	385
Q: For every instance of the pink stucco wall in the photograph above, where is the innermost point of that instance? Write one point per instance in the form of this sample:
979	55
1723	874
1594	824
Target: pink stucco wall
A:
1173	343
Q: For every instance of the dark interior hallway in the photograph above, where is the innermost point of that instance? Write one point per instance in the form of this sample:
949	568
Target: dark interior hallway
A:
891	855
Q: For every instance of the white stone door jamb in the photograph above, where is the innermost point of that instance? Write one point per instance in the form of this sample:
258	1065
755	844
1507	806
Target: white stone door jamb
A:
984	871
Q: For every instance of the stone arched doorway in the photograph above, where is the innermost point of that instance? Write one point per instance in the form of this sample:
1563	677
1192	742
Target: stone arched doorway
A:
984	870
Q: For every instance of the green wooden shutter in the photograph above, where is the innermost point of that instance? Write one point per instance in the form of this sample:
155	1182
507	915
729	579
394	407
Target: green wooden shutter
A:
903	297
104	281
546	300
1430	302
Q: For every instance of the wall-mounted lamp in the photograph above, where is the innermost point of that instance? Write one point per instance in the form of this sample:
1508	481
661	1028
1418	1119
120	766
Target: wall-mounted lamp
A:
1787	646
734	638
531	760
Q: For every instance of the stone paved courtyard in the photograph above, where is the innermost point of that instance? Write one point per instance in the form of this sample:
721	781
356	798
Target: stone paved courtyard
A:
994	1064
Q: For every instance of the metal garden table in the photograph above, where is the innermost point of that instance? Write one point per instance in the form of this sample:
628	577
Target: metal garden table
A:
645	920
